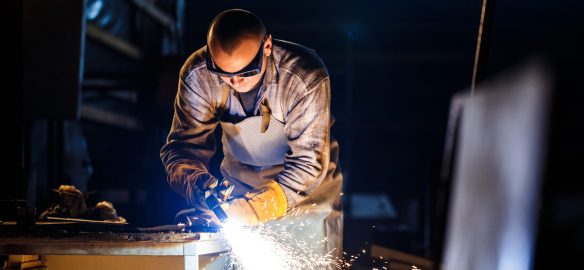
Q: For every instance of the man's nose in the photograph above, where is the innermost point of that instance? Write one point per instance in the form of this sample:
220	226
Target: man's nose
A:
236	80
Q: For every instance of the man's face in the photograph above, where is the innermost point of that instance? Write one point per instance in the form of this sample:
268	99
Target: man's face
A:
239	59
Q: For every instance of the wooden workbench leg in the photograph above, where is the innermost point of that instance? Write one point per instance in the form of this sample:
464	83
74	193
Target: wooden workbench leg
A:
25	262
191	262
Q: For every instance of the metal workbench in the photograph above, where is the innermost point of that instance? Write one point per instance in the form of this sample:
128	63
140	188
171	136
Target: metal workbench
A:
189	245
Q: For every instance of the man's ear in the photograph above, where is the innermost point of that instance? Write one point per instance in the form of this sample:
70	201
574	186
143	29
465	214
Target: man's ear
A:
268	45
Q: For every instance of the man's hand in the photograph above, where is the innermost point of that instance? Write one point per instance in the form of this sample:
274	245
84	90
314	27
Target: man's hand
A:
222	190
203	183
268	204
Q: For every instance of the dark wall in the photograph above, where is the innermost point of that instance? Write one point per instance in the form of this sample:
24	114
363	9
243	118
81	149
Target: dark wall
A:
53	50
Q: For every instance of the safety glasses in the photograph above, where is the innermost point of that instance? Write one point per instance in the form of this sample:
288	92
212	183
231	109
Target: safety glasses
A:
252	69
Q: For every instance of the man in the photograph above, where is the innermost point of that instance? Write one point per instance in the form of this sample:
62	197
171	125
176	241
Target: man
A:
272	99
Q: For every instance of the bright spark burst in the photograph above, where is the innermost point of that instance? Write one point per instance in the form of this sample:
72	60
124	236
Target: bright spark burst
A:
273	247
251	250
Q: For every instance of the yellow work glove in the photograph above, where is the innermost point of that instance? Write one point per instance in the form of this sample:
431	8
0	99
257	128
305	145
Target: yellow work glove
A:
269	203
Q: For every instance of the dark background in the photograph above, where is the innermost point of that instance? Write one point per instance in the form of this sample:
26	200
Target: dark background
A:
97	117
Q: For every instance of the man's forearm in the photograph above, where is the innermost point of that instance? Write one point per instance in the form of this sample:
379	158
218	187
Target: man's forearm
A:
191	142
184	175
308	133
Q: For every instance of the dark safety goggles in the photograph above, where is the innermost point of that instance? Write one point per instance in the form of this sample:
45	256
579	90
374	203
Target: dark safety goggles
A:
252	69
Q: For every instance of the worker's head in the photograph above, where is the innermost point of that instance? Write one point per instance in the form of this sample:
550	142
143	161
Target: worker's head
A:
238	48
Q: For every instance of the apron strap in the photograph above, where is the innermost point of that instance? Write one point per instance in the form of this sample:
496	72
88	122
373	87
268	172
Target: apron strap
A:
223	102
266	112
264	106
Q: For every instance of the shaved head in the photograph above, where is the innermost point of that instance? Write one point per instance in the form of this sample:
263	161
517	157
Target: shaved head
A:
231	27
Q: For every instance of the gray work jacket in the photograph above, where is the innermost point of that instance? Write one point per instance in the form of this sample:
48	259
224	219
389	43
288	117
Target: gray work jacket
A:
297	87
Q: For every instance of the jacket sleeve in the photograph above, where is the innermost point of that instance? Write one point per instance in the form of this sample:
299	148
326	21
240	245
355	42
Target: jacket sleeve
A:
308	133
191	142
